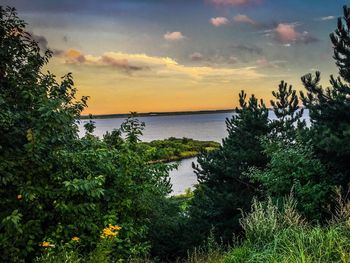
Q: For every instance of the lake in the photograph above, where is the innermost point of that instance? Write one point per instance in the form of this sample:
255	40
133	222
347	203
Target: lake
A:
205	127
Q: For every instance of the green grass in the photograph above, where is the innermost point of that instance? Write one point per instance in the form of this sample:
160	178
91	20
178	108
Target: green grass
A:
301	244
274	235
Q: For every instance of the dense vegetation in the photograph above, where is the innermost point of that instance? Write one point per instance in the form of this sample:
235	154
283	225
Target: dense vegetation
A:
70	199
174	149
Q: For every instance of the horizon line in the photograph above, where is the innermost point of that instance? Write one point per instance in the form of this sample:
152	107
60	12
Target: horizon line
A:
154	113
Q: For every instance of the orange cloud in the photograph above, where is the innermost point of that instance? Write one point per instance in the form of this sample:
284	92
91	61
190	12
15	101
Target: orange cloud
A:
219	21
73	56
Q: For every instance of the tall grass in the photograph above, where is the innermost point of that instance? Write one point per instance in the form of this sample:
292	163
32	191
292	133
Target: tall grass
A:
281	235
211	252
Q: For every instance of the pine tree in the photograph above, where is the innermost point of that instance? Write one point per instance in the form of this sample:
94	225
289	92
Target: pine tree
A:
223	188
329	108
288	113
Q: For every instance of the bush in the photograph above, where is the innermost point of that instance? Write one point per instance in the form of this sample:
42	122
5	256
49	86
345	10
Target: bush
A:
293	167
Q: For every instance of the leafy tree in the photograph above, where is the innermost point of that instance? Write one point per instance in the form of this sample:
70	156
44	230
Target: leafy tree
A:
114	138
329	108
223	187
133	128
37	119
55	185
109	186
89	126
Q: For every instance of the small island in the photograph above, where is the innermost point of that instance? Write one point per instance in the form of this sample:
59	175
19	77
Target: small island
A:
175	149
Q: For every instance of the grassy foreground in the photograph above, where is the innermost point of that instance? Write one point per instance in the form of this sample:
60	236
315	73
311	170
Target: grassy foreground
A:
272	235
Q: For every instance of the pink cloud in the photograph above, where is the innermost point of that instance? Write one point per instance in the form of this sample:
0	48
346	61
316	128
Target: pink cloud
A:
233	2
173	36
219	21
286	33
243	19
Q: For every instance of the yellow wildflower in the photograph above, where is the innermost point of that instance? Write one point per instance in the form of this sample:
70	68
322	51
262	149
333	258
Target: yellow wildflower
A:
46	244
77	239
110	231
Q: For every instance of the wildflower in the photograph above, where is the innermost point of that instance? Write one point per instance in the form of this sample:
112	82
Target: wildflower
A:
46	244
19	197
76	239
110	231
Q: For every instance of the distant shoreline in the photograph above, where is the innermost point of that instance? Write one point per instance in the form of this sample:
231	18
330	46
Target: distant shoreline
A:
155	114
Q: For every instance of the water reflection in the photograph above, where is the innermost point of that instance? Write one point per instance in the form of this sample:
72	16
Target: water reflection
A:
184	177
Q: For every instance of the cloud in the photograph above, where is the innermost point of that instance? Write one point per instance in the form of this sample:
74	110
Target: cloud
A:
196	56
232	2
326	18
219	21
156	66
119	61
218	58
74	56
265	63
247	48
244	19
173	36
287	34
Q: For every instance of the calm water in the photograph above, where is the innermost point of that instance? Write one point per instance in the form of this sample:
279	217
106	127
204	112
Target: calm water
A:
203	127
183	177
206	127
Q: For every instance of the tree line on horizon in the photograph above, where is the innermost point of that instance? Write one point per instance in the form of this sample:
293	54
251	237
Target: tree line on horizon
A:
96	199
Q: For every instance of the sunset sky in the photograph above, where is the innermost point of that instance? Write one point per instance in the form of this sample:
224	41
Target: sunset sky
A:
175	55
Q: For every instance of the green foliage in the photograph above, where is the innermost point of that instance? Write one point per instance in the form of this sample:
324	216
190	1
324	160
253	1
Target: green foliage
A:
133	128
173	149
329	109
223	185
55	185
37	119
167	229
288	113
294	168
114	138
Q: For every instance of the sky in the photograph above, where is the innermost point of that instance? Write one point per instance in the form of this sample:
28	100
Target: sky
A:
181	55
